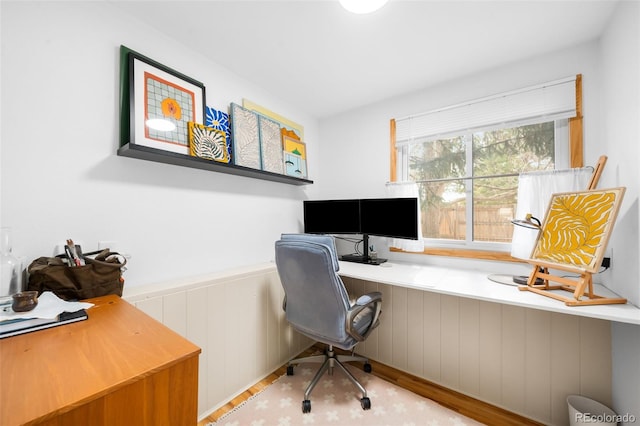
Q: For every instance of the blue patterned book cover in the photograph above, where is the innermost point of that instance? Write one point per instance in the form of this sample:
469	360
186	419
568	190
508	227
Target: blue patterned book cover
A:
219	120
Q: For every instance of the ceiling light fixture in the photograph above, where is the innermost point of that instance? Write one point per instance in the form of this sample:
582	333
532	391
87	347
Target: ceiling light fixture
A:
362	6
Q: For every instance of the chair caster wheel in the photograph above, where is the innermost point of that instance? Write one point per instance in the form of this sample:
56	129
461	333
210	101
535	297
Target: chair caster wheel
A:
367	368
289	370
306	406
366	403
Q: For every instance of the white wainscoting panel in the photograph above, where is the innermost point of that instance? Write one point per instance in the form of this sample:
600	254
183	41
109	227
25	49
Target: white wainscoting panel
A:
524	360
236	318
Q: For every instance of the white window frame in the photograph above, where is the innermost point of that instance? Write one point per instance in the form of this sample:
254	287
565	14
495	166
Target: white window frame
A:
561	153
557	101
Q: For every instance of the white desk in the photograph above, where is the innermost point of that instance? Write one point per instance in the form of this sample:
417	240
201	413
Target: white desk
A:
476	285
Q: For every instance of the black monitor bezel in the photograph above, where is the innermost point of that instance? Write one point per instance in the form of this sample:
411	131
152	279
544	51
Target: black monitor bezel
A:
338	207
370	210
377	217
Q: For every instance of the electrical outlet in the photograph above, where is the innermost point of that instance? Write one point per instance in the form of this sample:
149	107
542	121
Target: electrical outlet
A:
606	260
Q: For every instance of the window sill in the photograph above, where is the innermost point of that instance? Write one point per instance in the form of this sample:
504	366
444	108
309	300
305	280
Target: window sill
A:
468	254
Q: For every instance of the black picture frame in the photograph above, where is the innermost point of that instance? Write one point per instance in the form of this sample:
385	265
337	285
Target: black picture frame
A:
153	98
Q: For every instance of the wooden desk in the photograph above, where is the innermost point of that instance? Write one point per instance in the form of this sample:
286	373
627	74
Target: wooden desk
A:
119	367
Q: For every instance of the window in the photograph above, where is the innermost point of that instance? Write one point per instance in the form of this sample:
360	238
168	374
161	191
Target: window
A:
468	178
473	179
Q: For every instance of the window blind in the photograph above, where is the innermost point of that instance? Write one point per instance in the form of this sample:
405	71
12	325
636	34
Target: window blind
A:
549	101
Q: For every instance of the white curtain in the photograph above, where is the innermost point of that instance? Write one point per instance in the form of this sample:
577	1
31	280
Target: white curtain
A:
406	190
534	193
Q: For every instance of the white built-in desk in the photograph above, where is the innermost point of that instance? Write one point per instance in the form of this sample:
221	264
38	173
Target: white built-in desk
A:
476	285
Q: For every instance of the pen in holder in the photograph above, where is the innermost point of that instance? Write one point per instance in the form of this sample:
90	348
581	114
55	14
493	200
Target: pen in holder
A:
74	254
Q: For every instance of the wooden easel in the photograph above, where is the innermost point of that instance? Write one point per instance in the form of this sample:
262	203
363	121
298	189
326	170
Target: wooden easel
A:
578	285
597	172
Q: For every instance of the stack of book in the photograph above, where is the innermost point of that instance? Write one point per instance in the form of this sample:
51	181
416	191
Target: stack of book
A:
13	327
50	311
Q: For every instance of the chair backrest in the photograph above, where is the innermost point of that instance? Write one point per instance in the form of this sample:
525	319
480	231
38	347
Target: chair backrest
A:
327	240
316	299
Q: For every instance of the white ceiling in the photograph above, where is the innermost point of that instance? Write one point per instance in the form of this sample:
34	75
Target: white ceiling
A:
316	55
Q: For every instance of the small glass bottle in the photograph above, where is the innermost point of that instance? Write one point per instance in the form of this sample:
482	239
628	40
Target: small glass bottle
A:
10	268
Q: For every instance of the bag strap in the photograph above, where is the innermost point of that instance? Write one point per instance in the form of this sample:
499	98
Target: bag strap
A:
104	254
91	253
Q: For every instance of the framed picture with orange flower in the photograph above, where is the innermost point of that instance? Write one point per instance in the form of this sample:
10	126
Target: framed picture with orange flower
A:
161	103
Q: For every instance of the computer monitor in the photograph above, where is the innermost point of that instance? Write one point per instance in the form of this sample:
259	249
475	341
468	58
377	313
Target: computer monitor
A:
385	217
389	217
332	217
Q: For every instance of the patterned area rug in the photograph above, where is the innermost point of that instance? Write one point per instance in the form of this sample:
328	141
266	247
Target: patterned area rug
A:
335	401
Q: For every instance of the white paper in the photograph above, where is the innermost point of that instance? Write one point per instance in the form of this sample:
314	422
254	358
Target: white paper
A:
49	306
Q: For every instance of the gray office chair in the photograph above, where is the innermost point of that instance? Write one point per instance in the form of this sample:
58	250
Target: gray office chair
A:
317	305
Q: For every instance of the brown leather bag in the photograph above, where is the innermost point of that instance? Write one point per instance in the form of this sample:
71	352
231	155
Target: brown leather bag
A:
101	275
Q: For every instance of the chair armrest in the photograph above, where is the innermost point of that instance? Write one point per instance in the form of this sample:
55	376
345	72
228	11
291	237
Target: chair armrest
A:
365	299
372	301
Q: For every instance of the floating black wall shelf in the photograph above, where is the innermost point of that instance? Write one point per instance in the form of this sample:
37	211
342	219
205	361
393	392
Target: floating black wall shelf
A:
151	154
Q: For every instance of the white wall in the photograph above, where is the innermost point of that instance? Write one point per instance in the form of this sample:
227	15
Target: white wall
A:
61	177
355	154
620	62
620	59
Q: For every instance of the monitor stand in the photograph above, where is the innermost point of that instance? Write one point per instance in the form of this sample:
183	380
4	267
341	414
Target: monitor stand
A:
365	258
361	259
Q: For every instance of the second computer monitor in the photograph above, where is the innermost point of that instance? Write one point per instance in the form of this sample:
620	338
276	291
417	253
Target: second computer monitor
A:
389	217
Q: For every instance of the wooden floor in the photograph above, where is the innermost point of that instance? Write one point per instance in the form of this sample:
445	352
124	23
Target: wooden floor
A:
460	403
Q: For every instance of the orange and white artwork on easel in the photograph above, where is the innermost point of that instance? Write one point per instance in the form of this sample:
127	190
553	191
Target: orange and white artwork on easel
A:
577	227
573	238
